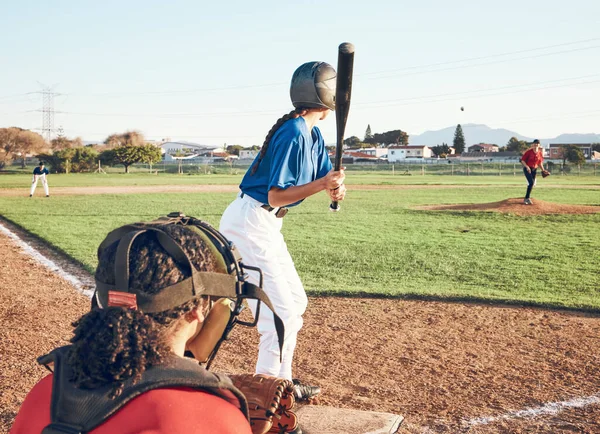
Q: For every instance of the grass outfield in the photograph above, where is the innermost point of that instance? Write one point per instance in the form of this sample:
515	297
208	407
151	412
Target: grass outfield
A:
353	178
377	244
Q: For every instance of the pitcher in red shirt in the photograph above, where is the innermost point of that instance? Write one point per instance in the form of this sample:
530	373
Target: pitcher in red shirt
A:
531	160
125	370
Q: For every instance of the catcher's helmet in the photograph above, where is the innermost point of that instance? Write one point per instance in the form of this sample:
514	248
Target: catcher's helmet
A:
229	280
313	86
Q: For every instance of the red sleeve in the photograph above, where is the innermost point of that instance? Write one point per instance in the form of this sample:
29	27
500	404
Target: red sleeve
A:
34	414
159	411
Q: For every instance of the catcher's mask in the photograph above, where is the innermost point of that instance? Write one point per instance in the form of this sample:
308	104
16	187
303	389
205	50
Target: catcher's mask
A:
231	283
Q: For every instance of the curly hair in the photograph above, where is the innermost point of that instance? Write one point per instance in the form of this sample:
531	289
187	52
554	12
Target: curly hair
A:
297	112
115	344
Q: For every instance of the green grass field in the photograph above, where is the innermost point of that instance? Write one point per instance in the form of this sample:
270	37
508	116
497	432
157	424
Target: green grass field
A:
377	244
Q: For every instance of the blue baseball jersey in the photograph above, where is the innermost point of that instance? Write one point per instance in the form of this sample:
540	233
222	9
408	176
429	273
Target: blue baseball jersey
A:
38	171
295	156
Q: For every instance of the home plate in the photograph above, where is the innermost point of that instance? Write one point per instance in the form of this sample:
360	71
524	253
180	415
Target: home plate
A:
317	419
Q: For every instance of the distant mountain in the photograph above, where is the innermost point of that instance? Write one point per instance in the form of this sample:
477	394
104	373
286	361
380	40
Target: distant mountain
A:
576	138
479	133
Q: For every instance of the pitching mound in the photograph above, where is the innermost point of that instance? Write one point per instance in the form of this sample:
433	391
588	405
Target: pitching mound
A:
516	206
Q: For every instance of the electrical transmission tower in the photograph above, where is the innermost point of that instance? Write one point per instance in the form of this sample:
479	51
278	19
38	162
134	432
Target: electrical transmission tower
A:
48	112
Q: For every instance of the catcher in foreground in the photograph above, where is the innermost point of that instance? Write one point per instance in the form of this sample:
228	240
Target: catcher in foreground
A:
531	160
125	370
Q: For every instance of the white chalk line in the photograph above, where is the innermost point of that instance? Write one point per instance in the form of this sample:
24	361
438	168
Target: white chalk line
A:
48	263
546	409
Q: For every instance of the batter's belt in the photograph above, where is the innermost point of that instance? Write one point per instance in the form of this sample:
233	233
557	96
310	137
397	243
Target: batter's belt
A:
280	213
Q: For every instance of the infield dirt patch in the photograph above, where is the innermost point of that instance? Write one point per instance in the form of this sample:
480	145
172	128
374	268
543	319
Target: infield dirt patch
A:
208	188
516	206
441	365
141	189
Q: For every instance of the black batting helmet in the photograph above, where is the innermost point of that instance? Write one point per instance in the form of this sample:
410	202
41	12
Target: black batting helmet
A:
313	86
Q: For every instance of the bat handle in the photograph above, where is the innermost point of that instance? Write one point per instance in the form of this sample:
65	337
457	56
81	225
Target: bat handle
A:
334	207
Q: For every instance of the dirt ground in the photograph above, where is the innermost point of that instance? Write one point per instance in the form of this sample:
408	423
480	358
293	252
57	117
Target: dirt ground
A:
444	366
193	188
516	206
36	310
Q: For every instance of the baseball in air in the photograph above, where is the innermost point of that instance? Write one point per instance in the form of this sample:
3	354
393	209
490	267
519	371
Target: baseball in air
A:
462	109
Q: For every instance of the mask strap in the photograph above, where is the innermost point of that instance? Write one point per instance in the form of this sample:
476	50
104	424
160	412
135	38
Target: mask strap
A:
173	249
252	291
117	234
178	254
122	260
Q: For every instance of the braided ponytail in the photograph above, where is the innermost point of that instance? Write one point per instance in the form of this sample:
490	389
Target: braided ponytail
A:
297	112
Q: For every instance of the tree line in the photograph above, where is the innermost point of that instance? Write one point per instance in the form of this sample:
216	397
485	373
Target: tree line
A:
394	137
63	154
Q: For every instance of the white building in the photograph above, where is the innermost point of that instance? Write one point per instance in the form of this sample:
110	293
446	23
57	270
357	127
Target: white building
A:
170	157
499	157
401	153
248	154
186	148
375	152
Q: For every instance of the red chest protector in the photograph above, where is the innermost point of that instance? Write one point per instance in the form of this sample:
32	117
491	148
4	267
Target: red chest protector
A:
76	411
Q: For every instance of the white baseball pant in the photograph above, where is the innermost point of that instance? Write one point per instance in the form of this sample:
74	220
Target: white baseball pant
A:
256	233
34	182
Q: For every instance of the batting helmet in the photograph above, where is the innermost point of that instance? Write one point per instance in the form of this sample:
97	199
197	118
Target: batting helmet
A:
313	86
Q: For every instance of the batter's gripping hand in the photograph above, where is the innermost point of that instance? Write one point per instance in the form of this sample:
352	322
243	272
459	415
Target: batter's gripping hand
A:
270	402
545	173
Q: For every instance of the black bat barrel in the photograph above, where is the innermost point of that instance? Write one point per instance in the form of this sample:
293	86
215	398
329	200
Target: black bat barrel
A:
343	92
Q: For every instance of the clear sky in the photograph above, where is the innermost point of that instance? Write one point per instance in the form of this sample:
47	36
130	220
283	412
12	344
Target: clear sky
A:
217	72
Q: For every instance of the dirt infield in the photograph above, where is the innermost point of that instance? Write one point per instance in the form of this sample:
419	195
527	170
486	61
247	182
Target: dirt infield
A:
115	189
141	189
135	189
516	206
444	366
36	309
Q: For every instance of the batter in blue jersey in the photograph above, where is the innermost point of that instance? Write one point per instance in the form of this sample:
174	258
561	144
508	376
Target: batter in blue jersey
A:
293	164
39	173
296	156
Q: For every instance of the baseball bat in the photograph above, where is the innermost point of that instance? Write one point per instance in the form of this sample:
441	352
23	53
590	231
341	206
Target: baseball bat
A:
343	91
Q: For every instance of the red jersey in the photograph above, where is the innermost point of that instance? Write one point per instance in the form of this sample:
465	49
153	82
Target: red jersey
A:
533	159
158	411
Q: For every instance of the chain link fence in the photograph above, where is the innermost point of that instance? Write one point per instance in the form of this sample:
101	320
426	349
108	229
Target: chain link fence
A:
479	169
412	168
400	169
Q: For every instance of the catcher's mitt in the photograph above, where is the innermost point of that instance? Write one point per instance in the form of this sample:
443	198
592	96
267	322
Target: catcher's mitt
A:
270	402
545	173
